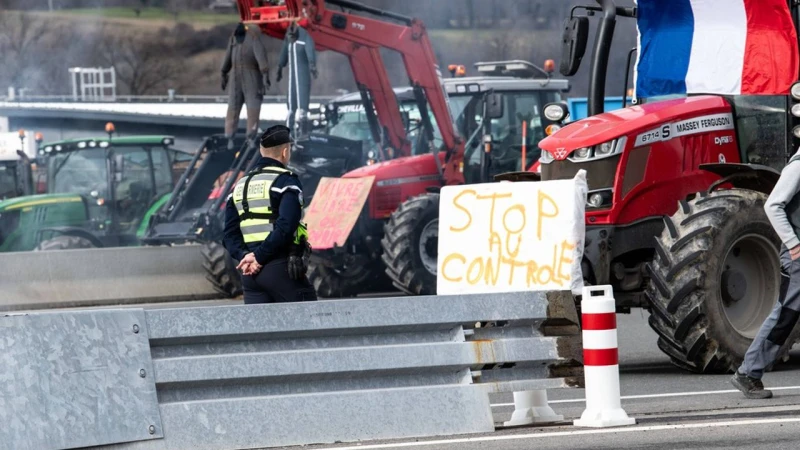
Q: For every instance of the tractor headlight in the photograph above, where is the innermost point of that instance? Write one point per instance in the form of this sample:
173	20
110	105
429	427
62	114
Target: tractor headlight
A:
599	199
604	149
81	144
795	91
48	149
796	110
581	154
555	112
92	144
796	131
546	157
58	148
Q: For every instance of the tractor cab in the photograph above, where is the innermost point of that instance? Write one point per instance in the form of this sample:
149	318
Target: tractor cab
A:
100	192
514	127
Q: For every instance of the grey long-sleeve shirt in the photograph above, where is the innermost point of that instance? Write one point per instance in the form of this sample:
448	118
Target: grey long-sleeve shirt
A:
783	193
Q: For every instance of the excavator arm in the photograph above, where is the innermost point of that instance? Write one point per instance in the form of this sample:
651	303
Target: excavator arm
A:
366	63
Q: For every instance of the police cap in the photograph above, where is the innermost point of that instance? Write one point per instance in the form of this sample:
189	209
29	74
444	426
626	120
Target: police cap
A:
275	136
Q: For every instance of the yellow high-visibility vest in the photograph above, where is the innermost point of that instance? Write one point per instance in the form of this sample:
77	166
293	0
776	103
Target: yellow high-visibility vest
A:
251	198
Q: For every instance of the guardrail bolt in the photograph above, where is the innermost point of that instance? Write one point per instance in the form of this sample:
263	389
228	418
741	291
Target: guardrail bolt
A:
152	429
142	373
135	329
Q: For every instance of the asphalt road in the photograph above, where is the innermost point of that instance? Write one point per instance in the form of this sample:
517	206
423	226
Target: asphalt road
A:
674	409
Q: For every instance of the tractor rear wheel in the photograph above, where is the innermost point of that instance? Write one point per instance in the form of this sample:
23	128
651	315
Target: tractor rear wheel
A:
714	280
410	245
64	242
221	270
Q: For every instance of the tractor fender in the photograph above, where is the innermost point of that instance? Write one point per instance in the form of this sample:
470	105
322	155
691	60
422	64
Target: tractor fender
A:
753	177
74	231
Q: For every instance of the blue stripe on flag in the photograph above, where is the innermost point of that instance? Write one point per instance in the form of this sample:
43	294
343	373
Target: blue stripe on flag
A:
666	28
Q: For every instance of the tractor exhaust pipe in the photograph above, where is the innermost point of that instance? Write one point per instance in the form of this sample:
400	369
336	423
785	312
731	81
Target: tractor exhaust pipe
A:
602	49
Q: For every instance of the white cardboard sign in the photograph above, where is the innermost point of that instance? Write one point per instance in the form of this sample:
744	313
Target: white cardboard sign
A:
512	237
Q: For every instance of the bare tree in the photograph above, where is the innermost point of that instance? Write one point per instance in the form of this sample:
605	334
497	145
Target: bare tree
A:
20	35
143	65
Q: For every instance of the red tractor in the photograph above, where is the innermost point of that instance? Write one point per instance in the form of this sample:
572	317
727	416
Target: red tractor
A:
472	128
675	217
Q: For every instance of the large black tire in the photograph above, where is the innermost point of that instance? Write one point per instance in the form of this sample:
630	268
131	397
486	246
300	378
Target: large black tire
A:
64	242
221	270
358	275
410	245
714	279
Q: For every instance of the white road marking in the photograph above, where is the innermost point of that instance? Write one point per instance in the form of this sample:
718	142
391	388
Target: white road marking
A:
672	394
566	434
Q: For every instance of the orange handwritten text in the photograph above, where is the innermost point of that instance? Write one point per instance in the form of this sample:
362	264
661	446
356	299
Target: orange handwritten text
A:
504	220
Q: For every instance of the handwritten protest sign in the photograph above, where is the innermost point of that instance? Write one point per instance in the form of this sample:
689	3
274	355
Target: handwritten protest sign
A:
334	210
509	237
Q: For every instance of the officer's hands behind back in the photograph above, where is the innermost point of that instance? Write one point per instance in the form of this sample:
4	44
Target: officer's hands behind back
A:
248	265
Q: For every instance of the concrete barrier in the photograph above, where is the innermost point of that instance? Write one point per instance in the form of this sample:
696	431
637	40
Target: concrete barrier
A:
105	276
254	376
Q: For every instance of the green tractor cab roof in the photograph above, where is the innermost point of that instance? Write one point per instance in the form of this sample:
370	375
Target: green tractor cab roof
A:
68	145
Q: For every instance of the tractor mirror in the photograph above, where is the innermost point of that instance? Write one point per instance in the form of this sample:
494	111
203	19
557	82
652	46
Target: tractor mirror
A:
494	106
573	44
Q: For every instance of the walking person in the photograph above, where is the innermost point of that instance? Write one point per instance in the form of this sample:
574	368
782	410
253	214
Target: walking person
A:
263	230
783	211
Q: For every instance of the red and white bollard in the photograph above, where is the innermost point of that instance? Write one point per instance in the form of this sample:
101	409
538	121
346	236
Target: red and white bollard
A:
601	360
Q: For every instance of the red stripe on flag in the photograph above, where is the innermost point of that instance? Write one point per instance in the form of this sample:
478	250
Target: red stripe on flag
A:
600	357
771	51
603	321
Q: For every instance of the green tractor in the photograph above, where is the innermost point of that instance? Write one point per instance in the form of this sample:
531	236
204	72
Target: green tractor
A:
101	192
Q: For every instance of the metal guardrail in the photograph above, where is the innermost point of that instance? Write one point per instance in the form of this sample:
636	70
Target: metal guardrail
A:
149	99
105	276
253	376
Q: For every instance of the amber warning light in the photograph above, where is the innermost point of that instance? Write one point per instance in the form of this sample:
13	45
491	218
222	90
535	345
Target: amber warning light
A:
549	66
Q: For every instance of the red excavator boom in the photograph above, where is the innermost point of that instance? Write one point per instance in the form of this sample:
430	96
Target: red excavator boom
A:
351	34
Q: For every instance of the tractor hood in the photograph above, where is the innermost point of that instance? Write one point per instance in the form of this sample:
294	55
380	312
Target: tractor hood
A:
604	127
420	166
36	200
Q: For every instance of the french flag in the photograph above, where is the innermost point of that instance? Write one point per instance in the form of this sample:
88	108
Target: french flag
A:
725	47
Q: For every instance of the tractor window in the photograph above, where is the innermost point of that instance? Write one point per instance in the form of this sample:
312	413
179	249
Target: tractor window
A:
761	129
8	182
78	172
134	185
520	109
352	123
162	170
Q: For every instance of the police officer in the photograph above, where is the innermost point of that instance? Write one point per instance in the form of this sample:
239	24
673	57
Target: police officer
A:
263	229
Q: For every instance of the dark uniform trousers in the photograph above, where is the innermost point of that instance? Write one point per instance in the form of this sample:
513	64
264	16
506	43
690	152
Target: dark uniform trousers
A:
273	285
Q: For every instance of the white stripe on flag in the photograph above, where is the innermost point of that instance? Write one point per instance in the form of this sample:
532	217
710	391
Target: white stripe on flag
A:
717	58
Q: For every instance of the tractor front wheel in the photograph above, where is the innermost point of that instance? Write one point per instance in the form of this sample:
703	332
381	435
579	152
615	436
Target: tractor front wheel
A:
714	280
410	245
